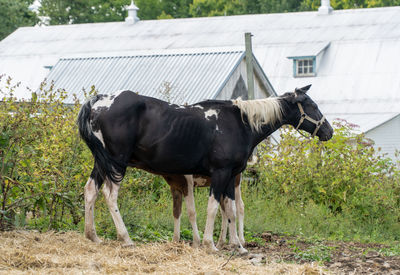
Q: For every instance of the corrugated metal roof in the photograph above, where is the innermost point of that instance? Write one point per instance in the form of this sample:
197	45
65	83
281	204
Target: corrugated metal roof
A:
190	77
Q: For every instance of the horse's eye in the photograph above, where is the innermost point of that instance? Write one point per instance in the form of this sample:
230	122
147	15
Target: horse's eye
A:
314	105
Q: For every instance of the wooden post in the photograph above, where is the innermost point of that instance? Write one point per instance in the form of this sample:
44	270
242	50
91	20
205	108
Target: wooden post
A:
249	65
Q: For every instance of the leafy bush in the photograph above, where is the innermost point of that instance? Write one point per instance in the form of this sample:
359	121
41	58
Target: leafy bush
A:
344	175
43	163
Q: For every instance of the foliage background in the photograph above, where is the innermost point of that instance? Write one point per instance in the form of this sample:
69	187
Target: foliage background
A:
16	13
341	189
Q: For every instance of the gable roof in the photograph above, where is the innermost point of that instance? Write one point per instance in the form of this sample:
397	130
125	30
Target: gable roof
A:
189	77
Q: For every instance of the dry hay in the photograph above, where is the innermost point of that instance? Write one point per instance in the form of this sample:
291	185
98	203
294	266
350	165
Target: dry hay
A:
23	252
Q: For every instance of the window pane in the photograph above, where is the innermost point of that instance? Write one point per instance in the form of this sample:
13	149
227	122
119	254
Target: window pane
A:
305	70
300	71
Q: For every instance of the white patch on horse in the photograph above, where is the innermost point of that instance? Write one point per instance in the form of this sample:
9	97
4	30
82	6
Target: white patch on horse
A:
107	100
198	106
216	127
208	114
99	135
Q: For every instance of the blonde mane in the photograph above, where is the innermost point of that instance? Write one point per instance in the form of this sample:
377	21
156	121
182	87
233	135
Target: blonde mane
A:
260	111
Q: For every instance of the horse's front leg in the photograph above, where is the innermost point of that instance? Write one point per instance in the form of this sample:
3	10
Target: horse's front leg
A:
212	209
239	209
224	227
110	192
239	213
230	210
219	180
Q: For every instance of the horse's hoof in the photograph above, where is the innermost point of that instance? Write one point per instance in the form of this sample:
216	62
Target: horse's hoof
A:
242	251
220	245
94	238
196	244
210	247
237	247
130	244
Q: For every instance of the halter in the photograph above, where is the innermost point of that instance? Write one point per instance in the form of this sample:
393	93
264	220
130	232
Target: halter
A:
318	123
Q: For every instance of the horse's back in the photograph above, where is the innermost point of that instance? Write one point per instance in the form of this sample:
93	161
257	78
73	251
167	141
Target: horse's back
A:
155	134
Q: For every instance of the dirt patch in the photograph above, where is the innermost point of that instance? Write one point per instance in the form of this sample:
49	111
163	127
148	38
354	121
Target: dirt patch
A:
337	257
23	252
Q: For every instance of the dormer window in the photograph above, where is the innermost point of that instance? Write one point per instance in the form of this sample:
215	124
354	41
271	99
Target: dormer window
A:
307	57
305	66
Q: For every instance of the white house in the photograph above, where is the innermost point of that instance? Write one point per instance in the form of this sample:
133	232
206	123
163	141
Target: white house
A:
350	57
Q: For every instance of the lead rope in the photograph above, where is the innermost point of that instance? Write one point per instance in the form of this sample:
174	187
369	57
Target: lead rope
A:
304	116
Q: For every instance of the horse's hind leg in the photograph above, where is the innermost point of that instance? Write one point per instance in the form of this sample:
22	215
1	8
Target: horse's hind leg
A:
191	210
110	192
91	192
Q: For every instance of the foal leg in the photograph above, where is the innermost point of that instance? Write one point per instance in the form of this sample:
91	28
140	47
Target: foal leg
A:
91	193
190	207
177	210
110	192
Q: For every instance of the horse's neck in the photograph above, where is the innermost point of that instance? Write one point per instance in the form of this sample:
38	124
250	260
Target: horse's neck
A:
265	132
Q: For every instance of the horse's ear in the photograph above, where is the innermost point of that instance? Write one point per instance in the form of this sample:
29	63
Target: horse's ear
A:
297	96
304	89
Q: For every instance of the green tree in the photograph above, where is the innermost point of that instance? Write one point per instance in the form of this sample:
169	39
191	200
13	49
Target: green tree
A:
349	4
90	11
277	6
15	14
83	11
201	8
176	8
149	9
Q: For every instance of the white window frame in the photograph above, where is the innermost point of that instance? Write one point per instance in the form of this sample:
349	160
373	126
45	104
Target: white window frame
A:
298	66
305	67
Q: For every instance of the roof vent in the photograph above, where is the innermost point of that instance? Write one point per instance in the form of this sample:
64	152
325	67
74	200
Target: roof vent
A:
132	14
325	7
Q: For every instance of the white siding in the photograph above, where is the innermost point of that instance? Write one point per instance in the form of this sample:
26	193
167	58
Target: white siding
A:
387	136
226	92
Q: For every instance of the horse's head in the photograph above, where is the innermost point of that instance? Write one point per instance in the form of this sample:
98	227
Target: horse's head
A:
306	115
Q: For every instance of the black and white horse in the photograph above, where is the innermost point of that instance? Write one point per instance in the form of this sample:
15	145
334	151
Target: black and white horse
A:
210	138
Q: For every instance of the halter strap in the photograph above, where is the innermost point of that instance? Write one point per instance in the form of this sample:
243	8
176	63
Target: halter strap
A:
318	123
